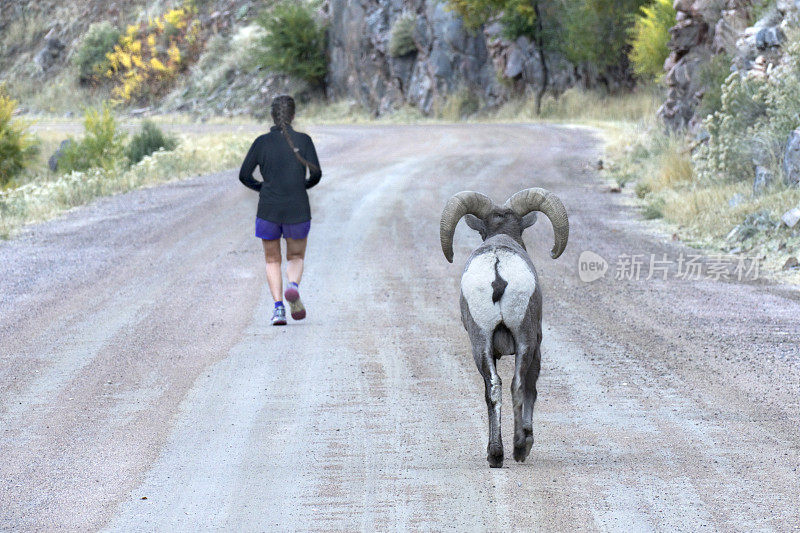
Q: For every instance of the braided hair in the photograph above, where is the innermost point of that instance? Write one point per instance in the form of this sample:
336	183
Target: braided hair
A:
283	114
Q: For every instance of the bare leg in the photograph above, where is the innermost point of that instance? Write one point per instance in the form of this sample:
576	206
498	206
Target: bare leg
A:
295	256
272	254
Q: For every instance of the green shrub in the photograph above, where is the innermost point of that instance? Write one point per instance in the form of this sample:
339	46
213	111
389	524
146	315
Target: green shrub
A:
649	37
17	146
728	154
753	123
642	189
90	57
102	146
712	75
401	41
294	43
516	24
149	139
760	8
654	208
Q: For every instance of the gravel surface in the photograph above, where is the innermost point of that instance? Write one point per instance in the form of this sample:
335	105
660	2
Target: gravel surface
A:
141	387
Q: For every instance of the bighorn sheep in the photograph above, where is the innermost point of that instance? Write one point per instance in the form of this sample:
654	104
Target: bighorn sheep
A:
501	303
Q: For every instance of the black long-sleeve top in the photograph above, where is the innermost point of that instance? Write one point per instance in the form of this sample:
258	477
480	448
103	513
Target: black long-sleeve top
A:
282	193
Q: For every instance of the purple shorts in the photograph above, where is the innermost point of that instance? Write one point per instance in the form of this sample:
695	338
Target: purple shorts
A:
269	231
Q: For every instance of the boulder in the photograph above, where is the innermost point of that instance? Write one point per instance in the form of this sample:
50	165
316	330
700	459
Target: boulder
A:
515	63
791	217
687	34
791	264
51	53
704	28
752	224
791	159
771	37
52	162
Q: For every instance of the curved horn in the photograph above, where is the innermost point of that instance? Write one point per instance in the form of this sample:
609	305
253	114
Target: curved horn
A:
460	204
536	199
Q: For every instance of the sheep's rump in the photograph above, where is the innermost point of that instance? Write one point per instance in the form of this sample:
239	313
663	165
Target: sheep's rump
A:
498	285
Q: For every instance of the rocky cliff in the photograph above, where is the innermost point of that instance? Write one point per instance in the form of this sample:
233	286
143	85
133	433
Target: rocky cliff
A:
447	57
706	28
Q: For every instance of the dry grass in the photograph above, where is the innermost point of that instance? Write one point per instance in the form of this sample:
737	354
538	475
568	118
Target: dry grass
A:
23	33
49	195
586	106
707	214
701	213
59	95
350	112
704	216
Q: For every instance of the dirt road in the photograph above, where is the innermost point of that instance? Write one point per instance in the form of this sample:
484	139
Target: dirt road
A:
142	389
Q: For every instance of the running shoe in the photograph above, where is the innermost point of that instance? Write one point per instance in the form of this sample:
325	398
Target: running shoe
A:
292	296
279	316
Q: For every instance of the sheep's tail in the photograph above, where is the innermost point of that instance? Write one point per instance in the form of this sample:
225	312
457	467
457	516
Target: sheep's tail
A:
499	284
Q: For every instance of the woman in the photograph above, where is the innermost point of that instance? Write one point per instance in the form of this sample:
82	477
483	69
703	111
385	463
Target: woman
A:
283	155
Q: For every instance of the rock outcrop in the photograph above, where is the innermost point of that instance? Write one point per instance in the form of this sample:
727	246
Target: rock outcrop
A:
706	28
448	58
791	159
703	28
51	53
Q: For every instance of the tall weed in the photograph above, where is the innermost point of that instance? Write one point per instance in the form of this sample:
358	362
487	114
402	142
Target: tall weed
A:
18	148
102	146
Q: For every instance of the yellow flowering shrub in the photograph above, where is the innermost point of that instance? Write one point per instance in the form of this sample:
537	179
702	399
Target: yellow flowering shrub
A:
149	56
17	146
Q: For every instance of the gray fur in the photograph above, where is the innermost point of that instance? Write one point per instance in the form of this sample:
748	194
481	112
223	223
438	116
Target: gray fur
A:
505	319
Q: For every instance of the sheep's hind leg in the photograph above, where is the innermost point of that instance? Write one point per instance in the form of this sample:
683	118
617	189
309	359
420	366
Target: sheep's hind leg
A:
526	372
484	359
524	440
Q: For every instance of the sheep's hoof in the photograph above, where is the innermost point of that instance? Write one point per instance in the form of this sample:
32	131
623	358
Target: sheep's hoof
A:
522	449
494	454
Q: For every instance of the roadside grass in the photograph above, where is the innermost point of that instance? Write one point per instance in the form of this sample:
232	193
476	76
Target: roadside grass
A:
49	195
701	213
654	168
59	95
586	106
43	194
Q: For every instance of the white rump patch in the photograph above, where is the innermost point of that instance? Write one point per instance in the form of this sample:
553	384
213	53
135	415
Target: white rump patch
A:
521	285
476	286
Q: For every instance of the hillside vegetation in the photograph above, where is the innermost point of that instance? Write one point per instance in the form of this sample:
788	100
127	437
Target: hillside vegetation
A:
701	102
